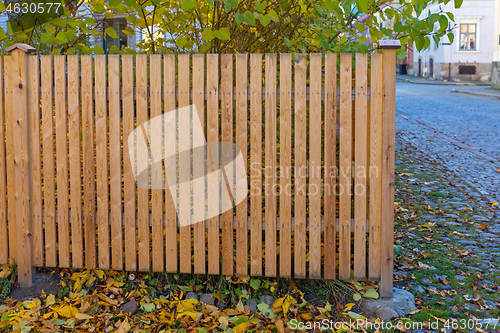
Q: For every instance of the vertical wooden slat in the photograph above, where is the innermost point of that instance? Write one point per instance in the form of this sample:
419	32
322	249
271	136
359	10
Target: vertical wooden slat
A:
142	159
388	160
315	166
9	159
75	161
4	245
21	156
170	149
213	136
270	160
156	168
256	163
199	165
345	166
101	133
241	141
62	159
330	197
35	165
300	166
227	136
129	200
360	203
376	110
88	162
184	171
48	162
115	162
285	164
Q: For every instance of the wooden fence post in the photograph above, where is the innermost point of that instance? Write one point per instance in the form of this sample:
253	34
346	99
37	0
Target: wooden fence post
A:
389	48
21	162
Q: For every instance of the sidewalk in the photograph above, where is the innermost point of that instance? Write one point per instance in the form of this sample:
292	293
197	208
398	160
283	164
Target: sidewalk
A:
472	88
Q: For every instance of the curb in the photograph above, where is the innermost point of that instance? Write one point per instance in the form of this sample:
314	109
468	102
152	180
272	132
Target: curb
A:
475	93
444	83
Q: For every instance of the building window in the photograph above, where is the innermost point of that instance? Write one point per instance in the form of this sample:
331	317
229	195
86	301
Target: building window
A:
468	37
118	25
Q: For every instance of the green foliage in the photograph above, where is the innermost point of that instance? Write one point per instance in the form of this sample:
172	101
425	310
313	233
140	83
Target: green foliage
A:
228	26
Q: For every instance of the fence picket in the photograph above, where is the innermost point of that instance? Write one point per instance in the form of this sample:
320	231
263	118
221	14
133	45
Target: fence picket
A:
256	163
300	166
213	136
270	160
115	162
156	168
375	166
361	128
9	159
199	165
227	136
184	172
101	134
170	213
315	112
61	159
129	200
345	166
48	163
4	245
241	141
142	162
285	236
330	165
75	161
88	162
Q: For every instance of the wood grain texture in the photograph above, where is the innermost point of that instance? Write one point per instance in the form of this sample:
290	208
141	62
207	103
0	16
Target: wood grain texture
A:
88	162
101	134
227	136
360	168
4	233
285	165
199	204
241	141
345	161
62	159
315	111
270	160
184	188
115	162
142	162
256	164
300	165
388	161
129	200
330	180
156	144
75	164
9	159
25	270
170	148
35	160
213	136
376	114
49	195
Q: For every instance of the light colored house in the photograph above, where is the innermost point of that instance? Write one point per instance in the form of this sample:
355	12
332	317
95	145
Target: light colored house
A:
469	57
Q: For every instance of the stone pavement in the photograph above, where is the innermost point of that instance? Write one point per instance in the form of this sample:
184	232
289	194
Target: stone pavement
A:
424	80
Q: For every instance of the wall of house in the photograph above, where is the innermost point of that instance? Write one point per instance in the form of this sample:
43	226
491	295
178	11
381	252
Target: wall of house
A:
448	57
495	66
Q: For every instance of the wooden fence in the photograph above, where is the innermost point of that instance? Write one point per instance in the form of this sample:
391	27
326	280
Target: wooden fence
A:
69	198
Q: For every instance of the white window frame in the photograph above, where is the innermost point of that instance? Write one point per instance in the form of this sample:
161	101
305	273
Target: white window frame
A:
468	20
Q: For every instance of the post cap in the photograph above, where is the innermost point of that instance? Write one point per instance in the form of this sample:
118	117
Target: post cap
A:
389	44
23	47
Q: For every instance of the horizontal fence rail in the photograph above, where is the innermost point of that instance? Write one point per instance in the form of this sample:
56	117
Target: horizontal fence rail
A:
316	136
